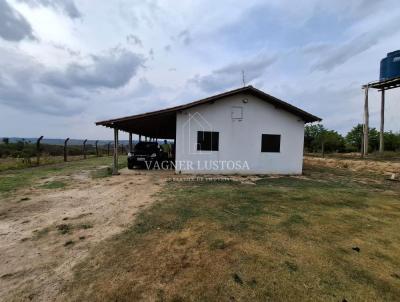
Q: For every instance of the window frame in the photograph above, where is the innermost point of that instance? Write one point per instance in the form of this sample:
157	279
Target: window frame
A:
213	141
271	148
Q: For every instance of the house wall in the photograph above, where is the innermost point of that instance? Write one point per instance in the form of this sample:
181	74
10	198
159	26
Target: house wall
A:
239	140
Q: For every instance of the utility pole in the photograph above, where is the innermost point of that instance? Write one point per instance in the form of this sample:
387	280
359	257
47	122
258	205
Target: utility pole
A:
382	129
366	122
243	79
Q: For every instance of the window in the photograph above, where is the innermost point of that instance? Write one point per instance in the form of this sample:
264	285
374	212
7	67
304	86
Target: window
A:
207	141
271	143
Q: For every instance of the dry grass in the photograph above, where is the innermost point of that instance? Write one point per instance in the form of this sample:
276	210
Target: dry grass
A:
381	166
13	180
283	239
11	163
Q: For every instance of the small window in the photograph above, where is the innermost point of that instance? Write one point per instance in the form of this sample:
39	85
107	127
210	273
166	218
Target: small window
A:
271	143
207	141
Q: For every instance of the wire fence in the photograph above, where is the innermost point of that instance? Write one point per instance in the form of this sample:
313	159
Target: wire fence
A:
34	153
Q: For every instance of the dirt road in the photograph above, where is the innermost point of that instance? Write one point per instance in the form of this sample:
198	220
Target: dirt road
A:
44	233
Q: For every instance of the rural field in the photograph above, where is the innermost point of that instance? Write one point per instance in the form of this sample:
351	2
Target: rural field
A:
70	232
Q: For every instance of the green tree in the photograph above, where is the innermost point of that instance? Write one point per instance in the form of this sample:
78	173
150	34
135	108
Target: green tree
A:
332	141
312	137
392	141
6	140
319	139
354	139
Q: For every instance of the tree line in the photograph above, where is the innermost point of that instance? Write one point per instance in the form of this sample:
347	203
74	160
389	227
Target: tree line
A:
318	139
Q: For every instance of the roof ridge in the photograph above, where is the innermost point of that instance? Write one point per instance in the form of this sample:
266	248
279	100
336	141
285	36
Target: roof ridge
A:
308	117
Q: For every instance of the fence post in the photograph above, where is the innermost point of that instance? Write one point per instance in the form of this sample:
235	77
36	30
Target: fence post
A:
130	141
65	149
38	150
108	149
97	150
115	160
84	149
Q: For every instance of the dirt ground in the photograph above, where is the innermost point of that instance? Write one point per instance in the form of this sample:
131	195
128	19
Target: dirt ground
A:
44	233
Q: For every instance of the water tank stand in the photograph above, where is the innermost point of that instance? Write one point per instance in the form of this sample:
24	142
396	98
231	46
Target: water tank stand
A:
380	86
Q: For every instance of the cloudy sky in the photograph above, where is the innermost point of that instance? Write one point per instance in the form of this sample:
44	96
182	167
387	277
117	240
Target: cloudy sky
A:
65	64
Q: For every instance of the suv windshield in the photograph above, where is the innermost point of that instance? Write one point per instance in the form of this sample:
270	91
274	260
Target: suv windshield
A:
146	146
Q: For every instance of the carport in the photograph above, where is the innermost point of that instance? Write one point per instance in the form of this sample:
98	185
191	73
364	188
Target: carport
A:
151	126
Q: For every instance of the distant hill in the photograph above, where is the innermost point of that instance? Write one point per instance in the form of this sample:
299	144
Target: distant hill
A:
59	141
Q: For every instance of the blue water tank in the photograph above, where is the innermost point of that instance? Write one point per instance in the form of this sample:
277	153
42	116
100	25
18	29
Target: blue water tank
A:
390	66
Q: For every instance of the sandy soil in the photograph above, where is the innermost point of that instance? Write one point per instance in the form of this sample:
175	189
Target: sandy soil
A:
42	238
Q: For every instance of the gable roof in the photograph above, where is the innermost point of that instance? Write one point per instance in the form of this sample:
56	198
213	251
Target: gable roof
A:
127	123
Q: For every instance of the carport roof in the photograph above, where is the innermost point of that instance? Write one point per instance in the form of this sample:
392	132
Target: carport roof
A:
162	123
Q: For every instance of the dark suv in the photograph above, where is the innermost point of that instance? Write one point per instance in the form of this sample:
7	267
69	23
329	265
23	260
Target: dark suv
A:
145	154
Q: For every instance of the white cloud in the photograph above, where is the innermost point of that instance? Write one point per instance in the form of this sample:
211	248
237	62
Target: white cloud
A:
230	76
13	26
67	7
111	70
33	87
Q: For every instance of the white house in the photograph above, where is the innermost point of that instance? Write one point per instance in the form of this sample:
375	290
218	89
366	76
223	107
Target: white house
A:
243	131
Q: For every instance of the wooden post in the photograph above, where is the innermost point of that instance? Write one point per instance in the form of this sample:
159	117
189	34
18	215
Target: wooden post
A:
381	135
174	148
97	149
130	141
140	137
66	150
362	144
366	121
108	149
115	161
38	150
84	149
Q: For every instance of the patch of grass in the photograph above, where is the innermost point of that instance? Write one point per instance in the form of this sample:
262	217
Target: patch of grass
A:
64	228
290	239
53	185
218	244
101	173
294	220
292	267
25	178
